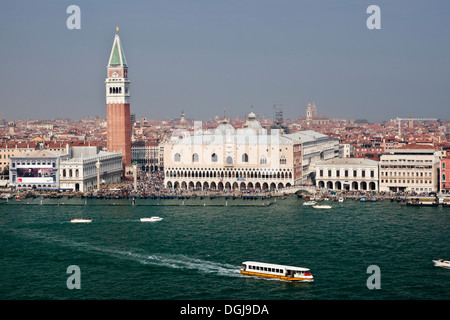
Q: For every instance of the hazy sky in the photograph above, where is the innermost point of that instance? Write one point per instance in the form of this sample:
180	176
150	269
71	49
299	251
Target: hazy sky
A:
204	56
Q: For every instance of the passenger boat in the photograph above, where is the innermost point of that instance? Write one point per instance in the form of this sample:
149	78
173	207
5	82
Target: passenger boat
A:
309	203
276	271
442	263
322	207
421	201
151	219
81	220
444	200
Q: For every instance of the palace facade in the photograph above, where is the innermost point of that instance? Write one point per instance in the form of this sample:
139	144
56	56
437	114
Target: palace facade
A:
227	158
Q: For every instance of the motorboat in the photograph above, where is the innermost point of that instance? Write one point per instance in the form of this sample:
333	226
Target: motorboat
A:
81	220
322	207
151	219
309	203
276	271
341	199
442	263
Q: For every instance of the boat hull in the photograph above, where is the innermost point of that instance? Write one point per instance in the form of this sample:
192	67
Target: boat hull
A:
322	207
81	220
152	219
444	264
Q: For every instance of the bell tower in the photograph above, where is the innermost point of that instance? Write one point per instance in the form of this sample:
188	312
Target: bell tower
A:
118	103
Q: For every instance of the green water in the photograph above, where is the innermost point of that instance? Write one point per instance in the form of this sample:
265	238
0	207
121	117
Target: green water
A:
196	251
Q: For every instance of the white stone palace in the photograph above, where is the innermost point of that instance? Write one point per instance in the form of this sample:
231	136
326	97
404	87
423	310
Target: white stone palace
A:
244	158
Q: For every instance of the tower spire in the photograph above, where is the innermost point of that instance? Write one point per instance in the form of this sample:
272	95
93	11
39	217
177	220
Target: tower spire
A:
117	57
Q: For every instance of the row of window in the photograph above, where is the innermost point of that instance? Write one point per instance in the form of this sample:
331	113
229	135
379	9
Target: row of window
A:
258	268
117	90
406	181
406	174
346	173
33	163
406	167
406	160
229	160
70	175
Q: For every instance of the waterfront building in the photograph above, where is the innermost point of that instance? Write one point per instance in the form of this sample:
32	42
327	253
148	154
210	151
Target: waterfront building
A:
145	154
229	158
413	167
349	174
315	147
244	158
445	174
36	169
118	103
78	168
12	148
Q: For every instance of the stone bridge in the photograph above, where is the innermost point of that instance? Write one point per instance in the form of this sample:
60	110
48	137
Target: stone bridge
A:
295	189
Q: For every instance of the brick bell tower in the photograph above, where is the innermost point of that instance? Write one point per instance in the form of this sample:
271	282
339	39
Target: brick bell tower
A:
118	103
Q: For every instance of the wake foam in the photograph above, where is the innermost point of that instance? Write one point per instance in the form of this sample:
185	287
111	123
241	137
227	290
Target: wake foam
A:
173	261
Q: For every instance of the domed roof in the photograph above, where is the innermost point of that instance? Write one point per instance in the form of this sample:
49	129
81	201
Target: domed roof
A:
252	123
225	126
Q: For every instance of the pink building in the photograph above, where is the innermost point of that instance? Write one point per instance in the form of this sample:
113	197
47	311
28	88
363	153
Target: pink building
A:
445	174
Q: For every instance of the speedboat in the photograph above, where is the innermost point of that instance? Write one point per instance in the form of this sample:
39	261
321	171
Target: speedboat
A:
151	219
309	203
322	207
442	263
81	220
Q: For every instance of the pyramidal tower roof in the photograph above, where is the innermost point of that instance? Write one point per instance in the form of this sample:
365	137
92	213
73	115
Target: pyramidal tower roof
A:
117	57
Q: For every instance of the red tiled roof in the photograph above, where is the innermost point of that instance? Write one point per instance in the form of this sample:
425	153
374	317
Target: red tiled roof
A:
417	146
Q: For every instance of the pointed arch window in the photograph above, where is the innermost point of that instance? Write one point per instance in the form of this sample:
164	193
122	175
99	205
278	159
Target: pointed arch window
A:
195	157
177	157
214	157
245	157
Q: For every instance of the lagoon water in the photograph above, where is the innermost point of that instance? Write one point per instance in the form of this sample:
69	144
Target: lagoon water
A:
196	251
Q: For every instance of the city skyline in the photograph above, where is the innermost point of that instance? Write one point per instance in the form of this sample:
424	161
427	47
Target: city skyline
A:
205	57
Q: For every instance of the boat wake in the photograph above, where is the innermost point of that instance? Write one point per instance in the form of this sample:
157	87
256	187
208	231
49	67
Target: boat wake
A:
173	261
181	261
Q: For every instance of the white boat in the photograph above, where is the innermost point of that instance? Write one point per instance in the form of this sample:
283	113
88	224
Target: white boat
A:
81	220
309	203
151	219
276	271
322	207
341	199
442	263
